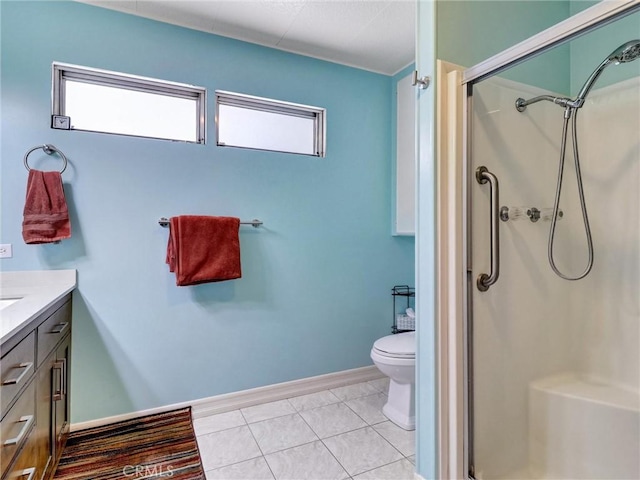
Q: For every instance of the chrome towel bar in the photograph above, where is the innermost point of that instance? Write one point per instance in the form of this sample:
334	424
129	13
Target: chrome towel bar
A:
255	223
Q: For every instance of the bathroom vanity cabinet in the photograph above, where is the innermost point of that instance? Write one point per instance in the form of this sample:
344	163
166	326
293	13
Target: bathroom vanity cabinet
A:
34	394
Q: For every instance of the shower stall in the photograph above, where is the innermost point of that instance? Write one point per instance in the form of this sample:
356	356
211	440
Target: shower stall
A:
552	324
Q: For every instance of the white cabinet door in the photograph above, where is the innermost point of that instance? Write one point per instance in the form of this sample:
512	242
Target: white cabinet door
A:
405	214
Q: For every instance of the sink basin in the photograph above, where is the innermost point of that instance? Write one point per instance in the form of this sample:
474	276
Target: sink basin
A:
5	302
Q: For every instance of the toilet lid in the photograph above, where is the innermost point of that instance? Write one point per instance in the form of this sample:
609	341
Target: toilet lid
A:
399	345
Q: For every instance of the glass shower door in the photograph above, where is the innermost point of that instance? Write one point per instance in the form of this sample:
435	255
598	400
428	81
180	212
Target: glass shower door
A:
553	364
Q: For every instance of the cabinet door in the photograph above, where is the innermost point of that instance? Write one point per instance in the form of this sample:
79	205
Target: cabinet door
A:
60	396
53	405
43	414
405	201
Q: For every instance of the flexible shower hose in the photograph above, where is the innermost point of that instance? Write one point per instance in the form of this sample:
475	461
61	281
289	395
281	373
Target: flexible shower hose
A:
556	204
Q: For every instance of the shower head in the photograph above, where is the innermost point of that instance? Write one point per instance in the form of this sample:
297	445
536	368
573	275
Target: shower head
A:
626	52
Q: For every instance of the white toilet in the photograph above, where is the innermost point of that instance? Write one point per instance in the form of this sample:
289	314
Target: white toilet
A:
395	356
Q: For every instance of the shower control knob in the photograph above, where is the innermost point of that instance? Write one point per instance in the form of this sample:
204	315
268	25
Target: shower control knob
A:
547	214
504	213
534	214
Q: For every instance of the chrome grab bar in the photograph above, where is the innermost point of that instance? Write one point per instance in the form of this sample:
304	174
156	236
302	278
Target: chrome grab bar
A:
484	281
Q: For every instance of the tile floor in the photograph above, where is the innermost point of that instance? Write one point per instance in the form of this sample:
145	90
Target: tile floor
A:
334	434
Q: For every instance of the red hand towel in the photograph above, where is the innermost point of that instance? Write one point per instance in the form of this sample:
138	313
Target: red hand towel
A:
46	216
203	249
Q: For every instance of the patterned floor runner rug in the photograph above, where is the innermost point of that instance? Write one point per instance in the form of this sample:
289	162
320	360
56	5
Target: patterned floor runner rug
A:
161	446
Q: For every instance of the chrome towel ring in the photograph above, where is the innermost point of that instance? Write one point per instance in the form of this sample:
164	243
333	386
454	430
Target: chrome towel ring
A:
49	150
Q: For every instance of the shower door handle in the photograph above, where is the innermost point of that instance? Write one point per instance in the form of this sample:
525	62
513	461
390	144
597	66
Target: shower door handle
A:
484	281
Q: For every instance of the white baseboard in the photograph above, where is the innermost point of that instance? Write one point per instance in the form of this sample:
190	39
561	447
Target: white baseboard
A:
254	396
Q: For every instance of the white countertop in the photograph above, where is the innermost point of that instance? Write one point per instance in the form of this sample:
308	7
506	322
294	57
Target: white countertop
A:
36	290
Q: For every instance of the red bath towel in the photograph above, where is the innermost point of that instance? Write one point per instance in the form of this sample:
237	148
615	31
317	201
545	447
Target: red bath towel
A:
203	249
46	216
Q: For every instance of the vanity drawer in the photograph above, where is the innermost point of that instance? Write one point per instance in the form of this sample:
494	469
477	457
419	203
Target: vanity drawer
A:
52	330
29	463
16	368
16	426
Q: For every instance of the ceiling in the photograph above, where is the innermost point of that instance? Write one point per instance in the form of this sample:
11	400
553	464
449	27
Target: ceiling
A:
373	35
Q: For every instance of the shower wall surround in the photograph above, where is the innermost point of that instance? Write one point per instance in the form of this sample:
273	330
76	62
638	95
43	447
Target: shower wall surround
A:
540	341
606	308
316	278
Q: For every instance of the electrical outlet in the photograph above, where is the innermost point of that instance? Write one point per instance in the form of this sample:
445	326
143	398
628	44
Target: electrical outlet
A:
6	250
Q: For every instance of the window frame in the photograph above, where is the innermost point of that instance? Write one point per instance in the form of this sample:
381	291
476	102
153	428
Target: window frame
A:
64	71
251	102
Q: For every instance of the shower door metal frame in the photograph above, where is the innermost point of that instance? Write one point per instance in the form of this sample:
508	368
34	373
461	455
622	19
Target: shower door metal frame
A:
455	410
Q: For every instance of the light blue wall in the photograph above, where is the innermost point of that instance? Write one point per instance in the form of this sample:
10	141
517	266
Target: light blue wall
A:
315	291
470	31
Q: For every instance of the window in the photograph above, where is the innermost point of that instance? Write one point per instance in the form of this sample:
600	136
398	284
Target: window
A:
110	102
264	124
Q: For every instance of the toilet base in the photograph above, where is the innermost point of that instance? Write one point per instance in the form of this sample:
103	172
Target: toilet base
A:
400	406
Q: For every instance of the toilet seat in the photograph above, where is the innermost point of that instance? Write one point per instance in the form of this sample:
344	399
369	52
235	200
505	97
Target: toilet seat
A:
399	346
380	358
